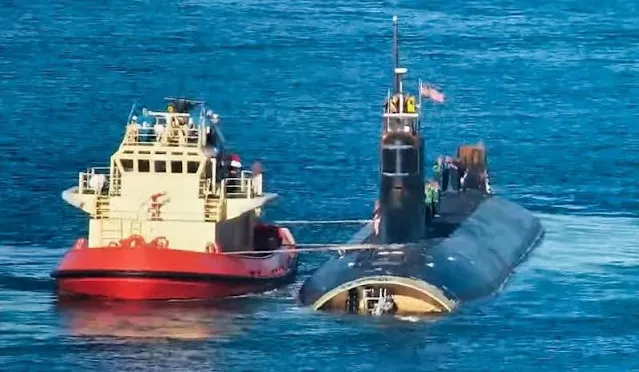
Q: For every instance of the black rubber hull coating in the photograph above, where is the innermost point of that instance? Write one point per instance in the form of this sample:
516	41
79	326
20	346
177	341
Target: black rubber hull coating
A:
468	252
402	208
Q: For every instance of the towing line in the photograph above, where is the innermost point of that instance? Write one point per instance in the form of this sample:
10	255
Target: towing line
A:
326	222
321	248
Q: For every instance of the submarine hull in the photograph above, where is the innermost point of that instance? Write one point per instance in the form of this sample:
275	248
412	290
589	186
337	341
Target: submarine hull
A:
468	252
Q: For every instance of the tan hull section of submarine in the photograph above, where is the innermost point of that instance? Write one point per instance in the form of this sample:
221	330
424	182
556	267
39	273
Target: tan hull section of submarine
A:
410	296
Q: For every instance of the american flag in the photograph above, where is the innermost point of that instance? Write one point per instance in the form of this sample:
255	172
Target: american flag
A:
429	92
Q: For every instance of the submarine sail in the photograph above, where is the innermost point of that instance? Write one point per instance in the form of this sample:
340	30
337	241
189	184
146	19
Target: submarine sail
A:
401	197
427	261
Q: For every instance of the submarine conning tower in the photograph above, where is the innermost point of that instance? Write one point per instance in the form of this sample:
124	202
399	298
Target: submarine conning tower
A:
401	198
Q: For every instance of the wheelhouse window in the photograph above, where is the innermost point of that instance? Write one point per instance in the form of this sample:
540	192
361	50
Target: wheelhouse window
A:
144	166
192	166
176	166
127	165
160	166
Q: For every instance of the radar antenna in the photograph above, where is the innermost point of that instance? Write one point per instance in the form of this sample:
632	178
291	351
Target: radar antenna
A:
395	55
397	71
183	105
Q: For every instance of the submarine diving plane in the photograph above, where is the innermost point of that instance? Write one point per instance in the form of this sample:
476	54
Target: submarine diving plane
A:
421	262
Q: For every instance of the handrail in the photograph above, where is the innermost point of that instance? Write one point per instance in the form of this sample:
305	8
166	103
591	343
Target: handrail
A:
419	95
93	170
84	181
244	186
144	215
222	204
257	185
205	187
399	124
180	136
169	114
401	115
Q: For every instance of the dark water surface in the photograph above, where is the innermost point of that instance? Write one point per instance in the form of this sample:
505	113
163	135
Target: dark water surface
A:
550	87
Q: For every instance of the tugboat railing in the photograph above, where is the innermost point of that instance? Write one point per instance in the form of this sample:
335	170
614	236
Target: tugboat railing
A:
257	184
184	137
221	213
145	215
100	184
246	186
238	187
205	188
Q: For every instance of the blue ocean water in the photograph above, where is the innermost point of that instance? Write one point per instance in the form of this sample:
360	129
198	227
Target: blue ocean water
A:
551	88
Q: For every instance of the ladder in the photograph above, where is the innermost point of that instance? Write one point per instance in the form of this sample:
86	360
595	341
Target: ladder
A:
372	297
111	230
136	227
212	209
102	207
352	301
116	183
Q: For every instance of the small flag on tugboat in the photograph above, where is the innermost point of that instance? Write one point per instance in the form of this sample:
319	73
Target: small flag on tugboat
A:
429	92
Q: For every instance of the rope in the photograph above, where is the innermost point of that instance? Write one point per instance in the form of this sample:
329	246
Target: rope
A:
315	248
327	222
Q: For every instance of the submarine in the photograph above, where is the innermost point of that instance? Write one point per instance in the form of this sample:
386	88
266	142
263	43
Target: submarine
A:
425	258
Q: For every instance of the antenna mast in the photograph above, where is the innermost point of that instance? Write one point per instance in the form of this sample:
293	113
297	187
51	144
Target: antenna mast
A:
396	76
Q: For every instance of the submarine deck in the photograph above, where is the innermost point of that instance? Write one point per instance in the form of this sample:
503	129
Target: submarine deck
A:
454	208
468	252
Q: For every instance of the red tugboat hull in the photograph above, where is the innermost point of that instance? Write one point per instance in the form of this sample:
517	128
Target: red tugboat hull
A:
149	272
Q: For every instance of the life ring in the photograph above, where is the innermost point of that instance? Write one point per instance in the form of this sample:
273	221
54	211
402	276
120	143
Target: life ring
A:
133	241
160	242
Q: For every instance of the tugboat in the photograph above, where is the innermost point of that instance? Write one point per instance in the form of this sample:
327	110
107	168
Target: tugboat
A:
427	257
168	214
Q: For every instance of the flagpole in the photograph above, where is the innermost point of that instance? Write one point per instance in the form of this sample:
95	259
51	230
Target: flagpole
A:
419	93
